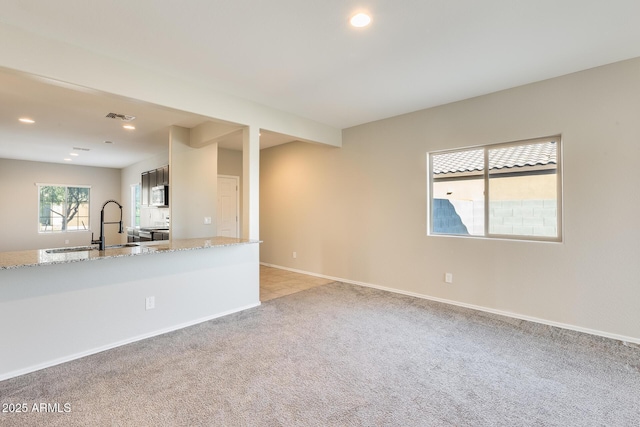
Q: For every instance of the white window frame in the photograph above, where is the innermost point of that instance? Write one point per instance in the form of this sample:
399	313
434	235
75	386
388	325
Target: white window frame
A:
66	230
134	207
487	234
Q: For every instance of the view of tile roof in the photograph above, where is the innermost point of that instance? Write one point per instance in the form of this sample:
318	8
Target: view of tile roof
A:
513	156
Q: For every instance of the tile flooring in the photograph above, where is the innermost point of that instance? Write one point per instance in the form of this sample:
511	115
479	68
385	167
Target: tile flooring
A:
275	282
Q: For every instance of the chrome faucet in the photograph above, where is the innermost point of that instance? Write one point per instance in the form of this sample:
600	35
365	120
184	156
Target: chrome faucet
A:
101	241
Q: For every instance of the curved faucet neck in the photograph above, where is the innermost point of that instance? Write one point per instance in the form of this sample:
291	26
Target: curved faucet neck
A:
111	201
102	223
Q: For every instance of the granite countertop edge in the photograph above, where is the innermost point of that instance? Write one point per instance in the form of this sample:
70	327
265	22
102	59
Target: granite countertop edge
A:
39	257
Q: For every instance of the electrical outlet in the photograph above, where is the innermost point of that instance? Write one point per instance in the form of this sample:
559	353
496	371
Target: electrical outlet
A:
207	220
150	303
295	254
66	242
448	277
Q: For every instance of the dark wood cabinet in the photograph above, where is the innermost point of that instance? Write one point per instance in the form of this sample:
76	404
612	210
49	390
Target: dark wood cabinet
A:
146	188
150	179
159	176
132	235
160	235
165	175
145	236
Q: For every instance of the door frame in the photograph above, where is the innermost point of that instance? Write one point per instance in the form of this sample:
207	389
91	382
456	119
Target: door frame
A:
237	179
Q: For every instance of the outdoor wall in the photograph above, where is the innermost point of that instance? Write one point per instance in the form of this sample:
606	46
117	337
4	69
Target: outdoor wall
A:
19	206
359	212
523	205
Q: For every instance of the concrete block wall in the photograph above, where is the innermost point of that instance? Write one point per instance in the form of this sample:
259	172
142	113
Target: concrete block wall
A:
471	213
511	217
446	219
523	217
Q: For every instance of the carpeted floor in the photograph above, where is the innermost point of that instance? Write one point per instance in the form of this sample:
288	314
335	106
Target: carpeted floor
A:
343	355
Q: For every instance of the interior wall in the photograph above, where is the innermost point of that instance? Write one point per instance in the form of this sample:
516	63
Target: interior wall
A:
193	182
230	163
359	212
19	206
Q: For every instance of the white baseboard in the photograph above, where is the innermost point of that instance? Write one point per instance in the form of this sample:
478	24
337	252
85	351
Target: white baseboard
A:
631	341
75	356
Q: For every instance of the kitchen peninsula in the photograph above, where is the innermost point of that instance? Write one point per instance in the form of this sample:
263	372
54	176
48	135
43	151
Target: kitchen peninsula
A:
61	306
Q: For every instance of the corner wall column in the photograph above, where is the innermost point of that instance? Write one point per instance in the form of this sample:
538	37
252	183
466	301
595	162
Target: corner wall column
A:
251	182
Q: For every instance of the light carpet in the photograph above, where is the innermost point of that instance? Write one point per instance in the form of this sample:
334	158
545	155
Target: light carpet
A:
344	355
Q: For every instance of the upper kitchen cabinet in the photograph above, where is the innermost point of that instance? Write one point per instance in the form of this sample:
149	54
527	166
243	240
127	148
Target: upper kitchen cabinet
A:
145	188
165	175
153	178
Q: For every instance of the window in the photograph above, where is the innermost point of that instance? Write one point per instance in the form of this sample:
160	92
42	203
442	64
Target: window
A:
63	208
510	190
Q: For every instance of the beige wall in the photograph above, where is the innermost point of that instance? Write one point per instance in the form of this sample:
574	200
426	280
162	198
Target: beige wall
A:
193	181
359	212
19	206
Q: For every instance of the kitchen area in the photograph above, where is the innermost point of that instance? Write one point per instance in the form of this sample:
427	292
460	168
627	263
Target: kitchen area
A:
67	296
167	269
144	260
150	202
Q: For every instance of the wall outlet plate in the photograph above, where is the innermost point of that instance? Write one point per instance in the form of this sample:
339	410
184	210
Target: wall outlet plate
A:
207	220
448	277
150	303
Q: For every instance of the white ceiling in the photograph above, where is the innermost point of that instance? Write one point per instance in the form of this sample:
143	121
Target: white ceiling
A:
304	58
70	119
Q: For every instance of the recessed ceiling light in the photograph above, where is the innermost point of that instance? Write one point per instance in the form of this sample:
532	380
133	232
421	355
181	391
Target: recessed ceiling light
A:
26	120
129	127
360	20
67	159
74	154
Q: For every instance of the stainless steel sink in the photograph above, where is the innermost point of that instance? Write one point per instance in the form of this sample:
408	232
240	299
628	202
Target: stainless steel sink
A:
125	245
89	248
74	249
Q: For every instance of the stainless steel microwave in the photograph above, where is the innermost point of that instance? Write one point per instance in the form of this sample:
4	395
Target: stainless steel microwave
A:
160	195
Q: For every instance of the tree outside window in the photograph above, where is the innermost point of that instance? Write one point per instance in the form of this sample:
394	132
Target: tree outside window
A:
63	208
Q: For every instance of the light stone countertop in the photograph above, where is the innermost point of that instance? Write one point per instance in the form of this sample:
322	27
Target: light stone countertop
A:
37	257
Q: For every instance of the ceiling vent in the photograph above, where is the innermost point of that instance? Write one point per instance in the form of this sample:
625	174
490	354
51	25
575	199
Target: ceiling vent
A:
122	117
82	149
